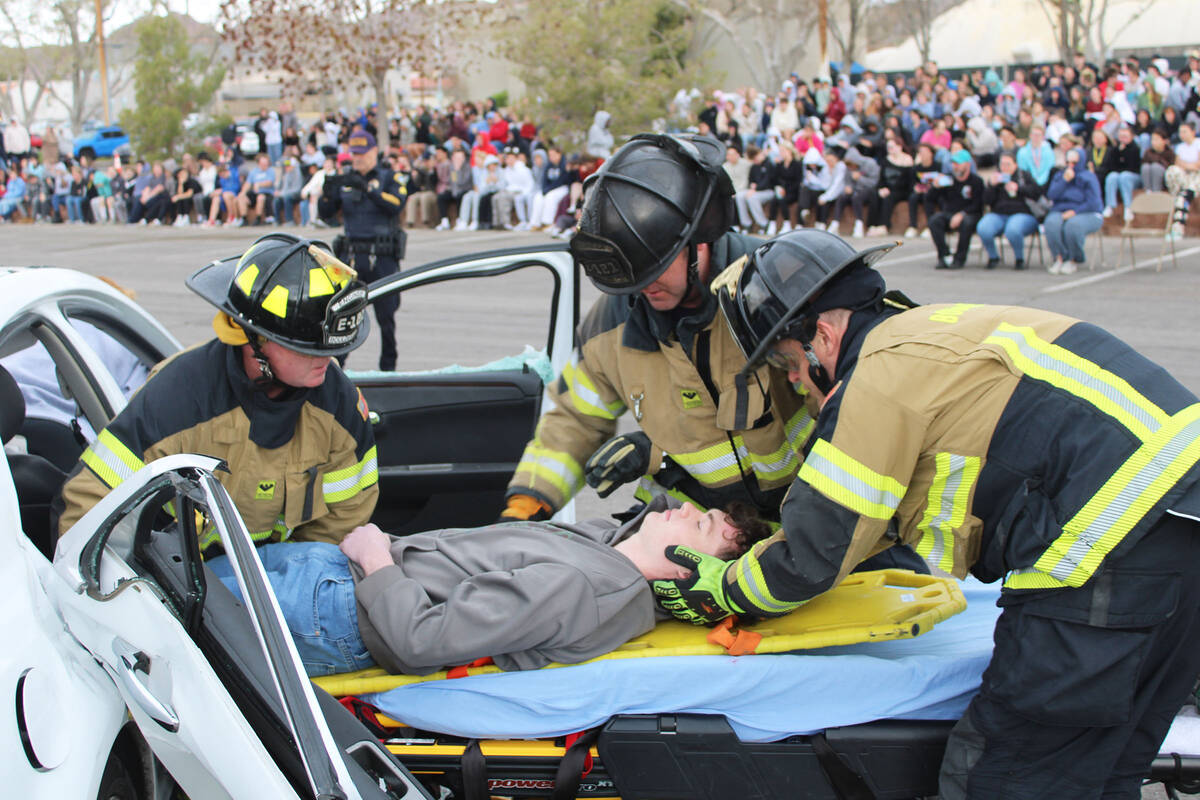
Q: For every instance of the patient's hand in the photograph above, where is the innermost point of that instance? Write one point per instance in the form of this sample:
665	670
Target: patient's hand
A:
368	547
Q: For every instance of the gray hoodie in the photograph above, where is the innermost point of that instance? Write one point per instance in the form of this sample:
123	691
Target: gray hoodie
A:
522	593
599	138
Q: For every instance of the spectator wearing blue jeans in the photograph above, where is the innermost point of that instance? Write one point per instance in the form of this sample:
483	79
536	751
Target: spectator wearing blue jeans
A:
287	190
1124	174
1007	192
1075	192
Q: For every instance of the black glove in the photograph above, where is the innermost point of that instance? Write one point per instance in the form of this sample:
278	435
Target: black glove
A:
355	180
620	460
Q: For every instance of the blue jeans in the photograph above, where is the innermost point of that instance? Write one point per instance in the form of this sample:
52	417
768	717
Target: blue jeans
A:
1126	182
75	208
315	590
275	152
284	204
1015	228
1065	239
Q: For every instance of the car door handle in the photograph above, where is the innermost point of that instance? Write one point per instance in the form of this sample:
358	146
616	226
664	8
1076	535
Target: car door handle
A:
130	661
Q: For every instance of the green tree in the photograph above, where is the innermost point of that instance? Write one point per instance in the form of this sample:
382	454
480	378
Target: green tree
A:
577	57
170	82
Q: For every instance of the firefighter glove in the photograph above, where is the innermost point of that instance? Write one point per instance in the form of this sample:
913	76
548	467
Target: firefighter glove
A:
700	598
523	507
620	460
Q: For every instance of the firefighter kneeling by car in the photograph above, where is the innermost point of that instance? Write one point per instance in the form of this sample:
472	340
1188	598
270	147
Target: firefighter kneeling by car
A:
1015	444
265	396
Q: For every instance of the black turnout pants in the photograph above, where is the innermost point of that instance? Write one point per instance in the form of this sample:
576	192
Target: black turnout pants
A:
1084	683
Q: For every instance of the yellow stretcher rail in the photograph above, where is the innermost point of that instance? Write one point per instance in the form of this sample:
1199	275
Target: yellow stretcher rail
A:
867	606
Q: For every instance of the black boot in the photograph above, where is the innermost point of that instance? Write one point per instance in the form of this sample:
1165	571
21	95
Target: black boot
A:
1020	264
992	263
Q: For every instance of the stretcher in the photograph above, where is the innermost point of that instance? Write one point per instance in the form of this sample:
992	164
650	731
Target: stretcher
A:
847	720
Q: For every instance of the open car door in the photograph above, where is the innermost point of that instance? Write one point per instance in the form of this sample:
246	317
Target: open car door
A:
215	686
449	439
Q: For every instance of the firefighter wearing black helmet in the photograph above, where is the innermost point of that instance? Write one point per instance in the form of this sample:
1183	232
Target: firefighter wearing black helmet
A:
654	230
1010	443
265	396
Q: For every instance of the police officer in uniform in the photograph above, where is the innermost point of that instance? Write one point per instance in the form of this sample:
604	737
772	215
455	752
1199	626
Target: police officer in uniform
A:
654	232
265	396
1014	444
371	197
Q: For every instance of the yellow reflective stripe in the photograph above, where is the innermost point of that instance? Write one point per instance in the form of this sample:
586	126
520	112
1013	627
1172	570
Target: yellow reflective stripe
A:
391	198
946	507
1065	370
584	395
648	489
342	484
754	587
1124	499
850	483
110	459
712	464
319	284
558	469
245	279
276	301
210	537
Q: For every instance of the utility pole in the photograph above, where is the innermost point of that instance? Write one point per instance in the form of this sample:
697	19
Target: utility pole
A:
103	62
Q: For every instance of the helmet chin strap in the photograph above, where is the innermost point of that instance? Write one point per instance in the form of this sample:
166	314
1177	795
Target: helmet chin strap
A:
266	379
816	371
695	288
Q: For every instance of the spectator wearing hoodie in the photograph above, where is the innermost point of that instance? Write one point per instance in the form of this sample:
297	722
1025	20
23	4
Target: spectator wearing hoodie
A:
288	184
556	183
476	209
272	130
1124	172
760	189
516	194
837	187
1183	178
1007	193
1037	156
599	137
1075	193
817	177
862	181
982	142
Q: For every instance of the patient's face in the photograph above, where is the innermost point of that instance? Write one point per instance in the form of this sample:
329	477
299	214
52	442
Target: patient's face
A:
705	532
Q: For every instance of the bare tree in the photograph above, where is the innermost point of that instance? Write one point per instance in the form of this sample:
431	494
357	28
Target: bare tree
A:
1084	25
770	36
918	16
23	63
344	45
848	26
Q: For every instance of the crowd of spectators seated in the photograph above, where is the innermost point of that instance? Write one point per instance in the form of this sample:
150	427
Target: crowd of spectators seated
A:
1056	148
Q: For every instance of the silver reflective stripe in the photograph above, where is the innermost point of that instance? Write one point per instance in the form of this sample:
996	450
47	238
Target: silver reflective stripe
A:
850	483
939	526
351	481
1109	518
1052	364
111	460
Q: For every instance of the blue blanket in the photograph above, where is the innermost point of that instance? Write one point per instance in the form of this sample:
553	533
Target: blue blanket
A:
765	697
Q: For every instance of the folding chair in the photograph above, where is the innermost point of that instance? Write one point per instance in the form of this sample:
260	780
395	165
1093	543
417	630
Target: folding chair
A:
1149	203
1036	236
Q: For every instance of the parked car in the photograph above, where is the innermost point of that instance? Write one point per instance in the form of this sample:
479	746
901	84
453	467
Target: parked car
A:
103	142
247	140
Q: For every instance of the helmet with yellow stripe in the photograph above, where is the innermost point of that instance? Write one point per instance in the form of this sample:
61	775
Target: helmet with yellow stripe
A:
292	291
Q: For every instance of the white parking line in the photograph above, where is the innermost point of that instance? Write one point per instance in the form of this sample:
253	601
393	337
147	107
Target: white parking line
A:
1103	276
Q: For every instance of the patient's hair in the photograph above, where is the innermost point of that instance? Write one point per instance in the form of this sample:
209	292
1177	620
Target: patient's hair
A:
752	528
